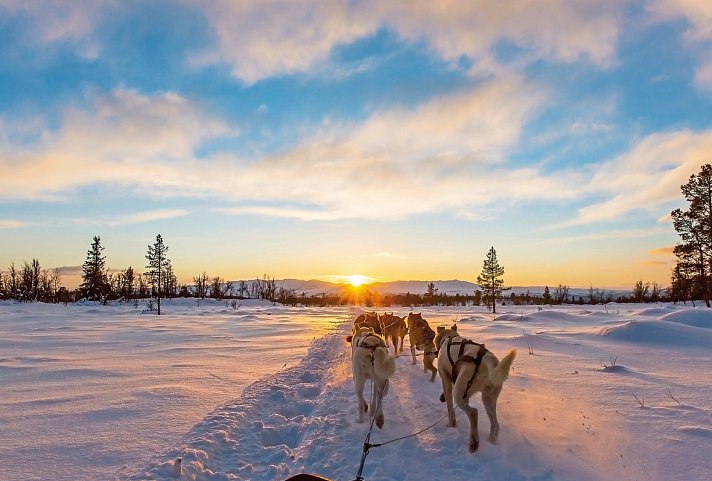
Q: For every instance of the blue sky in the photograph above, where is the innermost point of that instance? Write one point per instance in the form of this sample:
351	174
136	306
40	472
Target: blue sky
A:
396	140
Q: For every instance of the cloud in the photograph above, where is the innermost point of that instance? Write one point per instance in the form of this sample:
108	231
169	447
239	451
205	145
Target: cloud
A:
448	154
662	251
62	21
703	75
613	234
283	212
265	39
647	177
12	224
117	140
698	17
137	218
697	14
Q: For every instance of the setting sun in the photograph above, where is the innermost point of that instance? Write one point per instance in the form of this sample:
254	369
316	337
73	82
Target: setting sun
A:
356	280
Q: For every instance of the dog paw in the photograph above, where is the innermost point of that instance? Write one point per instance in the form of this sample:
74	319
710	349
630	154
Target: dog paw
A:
432	379
379	422
474	445
442	397
413	363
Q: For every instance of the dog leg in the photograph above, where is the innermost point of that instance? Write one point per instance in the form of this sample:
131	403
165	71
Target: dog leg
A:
362	406
428	362
379	391
489	400
447	395
472	415
412	351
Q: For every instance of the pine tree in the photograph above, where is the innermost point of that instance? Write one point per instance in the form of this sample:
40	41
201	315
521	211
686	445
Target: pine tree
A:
547	295
94	285
489	279
158	265
695	229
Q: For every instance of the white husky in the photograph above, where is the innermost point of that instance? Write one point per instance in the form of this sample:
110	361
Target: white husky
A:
370	359
466	367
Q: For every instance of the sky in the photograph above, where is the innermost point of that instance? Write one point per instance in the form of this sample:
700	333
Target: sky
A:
317	139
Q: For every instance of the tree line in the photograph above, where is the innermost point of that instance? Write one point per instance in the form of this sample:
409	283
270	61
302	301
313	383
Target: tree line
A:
30	282
691	277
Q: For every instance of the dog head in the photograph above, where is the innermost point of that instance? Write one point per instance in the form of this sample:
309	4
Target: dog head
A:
367	337
444	333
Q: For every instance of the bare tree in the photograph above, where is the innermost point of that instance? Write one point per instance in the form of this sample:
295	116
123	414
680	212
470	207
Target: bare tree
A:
640	291
561	293
201	285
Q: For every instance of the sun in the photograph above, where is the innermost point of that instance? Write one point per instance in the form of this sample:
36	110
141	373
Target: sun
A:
356	280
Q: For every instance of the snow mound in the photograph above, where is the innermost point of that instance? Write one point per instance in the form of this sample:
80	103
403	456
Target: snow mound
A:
696	430
556	316
653	312
615	368
511	317
659	332
701	318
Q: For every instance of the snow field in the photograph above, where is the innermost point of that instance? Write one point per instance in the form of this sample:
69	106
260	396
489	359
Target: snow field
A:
567	412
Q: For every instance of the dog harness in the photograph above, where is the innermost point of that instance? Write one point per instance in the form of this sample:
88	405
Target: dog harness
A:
462	357
370	334
371	348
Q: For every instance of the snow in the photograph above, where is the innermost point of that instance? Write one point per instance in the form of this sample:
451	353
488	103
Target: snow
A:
263	392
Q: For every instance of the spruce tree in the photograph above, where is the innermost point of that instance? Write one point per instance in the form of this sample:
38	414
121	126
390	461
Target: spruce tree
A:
158	266
93	285
489	279
695	229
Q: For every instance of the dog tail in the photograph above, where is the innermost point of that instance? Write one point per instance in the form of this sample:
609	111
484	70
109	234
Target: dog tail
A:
501	372
384	363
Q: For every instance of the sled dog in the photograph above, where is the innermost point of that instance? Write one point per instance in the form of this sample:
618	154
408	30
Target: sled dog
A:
421	337
370	359
395	329
466	367
369	319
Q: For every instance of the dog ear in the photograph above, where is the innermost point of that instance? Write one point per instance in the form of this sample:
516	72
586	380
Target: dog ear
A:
454	327
441	329
349	338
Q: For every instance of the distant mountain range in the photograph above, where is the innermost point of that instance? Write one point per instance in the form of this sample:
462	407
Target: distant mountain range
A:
450	287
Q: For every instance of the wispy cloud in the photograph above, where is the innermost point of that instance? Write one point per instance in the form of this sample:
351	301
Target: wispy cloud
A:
662	251
120	139
698	17
63	21
449	153
647	177
136	218
12	224
257	39
285	212
614	234
148	216
697	13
